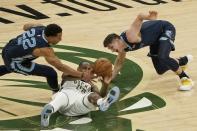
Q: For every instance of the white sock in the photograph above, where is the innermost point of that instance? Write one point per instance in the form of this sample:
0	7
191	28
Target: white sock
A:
99	101
59	101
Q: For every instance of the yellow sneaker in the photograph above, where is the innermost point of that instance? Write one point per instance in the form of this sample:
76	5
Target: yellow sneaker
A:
190	58
186	84
184	67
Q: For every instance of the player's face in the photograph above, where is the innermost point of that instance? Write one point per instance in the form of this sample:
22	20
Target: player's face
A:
115	46
85	68
56	39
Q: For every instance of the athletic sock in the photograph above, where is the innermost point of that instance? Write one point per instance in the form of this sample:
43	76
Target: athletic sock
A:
183	60
183	74
99	101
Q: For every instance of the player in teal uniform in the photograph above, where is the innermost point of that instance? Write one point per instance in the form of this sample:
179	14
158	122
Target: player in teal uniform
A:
159	36
18	54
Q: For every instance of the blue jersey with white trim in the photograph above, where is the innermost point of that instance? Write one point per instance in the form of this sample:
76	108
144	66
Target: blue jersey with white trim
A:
150	34
21	47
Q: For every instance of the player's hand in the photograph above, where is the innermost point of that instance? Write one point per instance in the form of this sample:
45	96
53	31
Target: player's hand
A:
152	15
86	76
107	80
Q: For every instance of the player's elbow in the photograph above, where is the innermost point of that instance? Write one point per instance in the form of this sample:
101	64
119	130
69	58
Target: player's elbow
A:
140	17
26	27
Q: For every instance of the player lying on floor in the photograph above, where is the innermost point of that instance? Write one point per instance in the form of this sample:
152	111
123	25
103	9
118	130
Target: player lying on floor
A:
78	97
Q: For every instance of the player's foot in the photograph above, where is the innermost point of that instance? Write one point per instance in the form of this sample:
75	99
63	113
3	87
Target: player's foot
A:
186	84
189	59
45	115
112	97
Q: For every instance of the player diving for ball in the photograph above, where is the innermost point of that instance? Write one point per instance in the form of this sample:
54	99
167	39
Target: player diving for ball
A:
37	41
78	97
159	36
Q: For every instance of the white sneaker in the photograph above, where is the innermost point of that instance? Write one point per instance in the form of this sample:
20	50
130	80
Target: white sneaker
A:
190	59
45	115
186	84
112	97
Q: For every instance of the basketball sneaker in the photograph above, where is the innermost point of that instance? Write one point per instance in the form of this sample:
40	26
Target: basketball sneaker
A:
186	84
45	115
189	58
112	97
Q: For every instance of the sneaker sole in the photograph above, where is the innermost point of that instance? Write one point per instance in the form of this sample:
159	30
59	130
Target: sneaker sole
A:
114	95
44	121
186	88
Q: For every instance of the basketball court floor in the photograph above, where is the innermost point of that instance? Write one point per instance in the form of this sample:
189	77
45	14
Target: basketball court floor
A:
148	102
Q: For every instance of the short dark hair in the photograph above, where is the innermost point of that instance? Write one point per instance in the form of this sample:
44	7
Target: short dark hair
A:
84	63
52	30
108	40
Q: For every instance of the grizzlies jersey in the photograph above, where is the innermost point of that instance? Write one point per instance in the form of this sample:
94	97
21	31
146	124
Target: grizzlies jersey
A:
150	34
21	47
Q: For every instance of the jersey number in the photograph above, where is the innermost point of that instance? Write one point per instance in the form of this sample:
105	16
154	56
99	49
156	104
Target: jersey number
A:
29	40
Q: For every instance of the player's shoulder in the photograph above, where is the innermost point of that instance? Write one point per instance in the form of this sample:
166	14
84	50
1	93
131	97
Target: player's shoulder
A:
37	28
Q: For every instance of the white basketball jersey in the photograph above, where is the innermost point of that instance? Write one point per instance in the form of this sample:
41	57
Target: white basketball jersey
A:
79	85
77	92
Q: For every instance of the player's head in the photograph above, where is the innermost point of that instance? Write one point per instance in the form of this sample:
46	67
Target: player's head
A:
84	66
114	43
53	33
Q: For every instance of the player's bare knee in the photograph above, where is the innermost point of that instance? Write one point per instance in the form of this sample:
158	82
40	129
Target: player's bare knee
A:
93	97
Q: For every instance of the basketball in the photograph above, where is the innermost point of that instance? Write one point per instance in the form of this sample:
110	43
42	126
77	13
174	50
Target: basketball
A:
102	67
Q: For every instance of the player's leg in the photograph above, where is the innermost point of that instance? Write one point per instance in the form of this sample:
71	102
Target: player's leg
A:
183	61
165	48
49	73
60	101
4	70
89	101
104	103
159	66
31	68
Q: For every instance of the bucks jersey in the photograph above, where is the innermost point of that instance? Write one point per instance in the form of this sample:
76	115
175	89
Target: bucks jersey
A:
78	85
76	92
21	47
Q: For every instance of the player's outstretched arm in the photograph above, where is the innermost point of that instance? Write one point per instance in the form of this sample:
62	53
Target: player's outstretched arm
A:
105	85
118	64
133	32
52	59
30	25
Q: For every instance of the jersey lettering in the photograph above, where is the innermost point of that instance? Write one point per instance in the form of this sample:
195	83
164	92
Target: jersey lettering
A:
28	39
